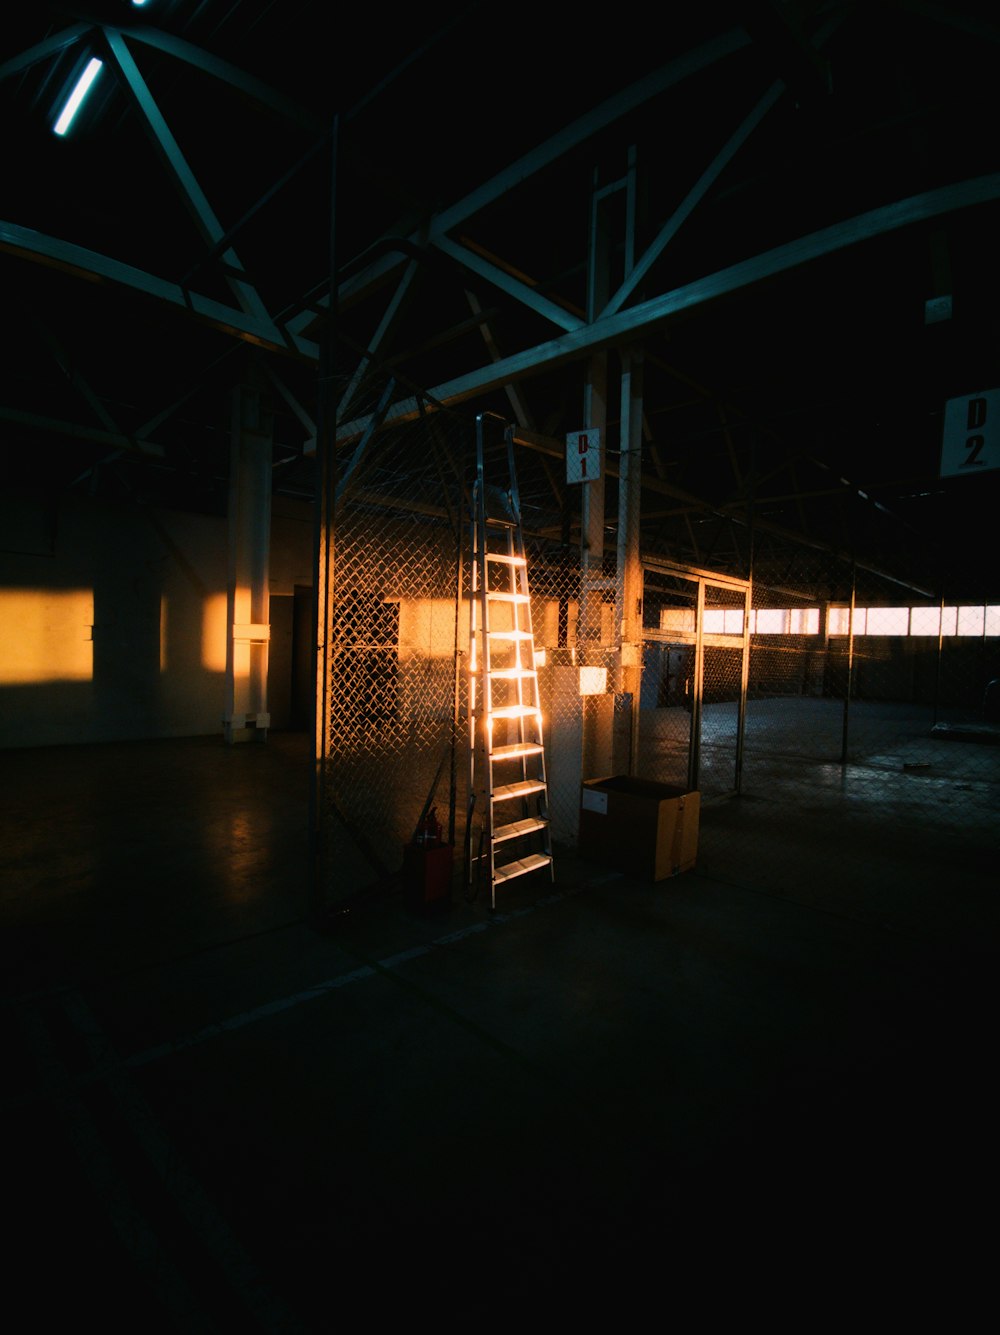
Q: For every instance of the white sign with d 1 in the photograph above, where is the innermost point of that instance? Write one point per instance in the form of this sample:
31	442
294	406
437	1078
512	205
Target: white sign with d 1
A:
583	455
971	441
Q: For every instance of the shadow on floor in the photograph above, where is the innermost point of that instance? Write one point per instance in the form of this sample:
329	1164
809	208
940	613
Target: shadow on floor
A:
607	1100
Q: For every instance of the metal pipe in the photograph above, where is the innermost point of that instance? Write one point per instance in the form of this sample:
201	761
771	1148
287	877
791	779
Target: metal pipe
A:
845	734
323	574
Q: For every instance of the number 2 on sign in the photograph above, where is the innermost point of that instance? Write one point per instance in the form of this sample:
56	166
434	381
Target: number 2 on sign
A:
581	446
974	444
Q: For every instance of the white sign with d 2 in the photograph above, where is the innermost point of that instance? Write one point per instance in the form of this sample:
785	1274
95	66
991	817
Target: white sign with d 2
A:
583	455
971	440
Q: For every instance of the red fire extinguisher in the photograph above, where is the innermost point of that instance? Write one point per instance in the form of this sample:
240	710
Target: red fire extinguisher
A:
429	829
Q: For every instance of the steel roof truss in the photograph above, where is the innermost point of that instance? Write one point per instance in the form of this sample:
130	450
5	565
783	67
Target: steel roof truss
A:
636	320
676	71
195	198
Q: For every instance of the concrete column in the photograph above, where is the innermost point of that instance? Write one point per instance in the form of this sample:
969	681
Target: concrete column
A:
592	579
628	586
612	643
251	452
595	414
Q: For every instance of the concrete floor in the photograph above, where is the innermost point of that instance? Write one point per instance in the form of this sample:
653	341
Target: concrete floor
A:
760	1090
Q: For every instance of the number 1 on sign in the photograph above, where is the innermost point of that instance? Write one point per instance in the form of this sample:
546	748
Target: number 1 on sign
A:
583	463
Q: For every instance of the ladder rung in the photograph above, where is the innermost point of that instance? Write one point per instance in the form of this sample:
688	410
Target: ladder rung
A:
530	863
512	674
516	751
508	790
517	828
500	523
506	558
509	634
508	598
515	711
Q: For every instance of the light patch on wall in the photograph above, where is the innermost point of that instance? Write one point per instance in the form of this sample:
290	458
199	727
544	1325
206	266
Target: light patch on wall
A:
550	624
47	635
593	680
214	629
677	619
427	627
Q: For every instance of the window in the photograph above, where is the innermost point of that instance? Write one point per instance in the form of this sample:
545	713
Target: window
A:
971	621
888	621
925	620
770	621
723	621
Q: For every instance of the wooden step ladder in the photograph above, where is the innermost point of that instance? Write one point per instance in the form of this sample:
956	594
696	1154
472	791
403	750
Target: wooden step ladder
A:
508	831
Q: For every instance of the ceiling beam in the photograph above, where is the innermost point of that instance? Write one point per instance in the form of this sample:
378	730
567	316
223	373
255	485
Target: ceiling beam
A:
226	73
52	46
637	320
501	278
179	171
557	146
693	197
54	426
91	265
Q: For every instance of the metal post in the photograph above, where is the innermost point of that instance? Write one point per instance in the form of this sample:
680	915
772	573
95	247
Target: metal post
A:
850	669
697	687
323	560
245	717
744	688
938	661
595	414
629	581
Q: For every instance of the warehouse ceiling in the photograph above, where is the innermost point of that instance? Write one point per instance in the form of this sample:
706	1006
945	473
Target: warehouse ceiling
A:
796	206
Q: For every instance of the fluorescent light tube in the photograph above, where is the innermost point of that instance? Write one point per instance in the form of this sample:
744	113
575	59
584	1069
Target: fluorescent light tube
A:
77	95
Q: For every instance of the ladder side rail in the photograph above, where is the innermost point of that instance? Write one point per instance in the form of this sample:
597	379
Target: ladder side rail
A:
474	660
486	687
536	698
542	798
520	585
476	650
512	475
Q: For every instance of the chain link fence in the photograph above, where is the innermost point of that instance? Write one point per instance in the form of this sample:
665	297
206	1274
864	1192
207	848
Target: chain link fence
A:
829	696
868	747
398	727
398	644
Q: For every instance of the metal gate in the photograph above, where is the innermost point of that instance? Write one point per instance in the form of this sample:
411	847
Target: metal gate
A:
688	728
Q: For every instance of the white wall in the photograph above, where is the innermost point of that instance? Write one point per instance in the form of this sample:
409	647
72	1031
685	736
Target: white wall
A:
113	617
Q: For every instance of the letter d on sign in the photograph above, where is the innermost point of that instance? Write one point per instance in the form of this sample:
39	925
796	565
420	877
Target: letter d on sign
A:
970	434
583	455
977	414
